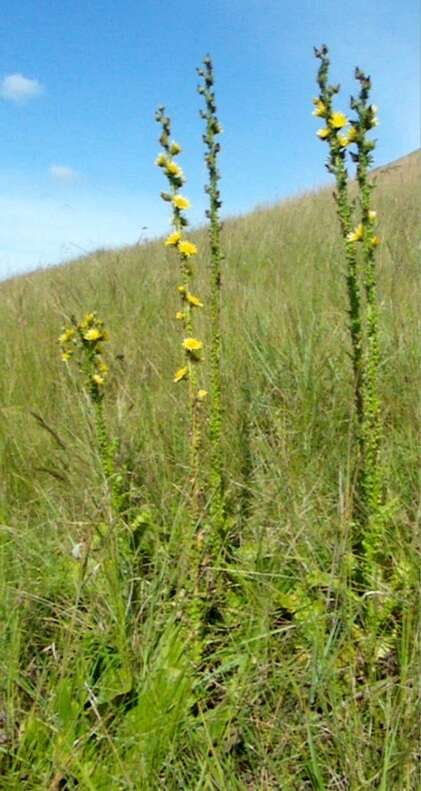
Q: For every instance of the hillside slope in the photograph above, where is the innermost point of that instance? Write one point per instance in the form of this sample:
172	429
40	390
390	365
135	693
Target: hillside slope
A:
291	697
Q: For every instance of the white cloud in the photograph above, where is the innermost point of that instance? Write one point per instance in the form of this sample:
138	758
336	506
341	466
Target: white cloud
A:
17	88
63	173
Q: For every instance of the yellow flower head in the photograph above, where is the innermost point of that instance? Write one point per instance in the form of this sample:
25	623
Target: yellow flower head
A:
161	160
103	368
87	320
338	120
174	170
93	335
357	234
192	300
66	336
343	140
372	215
320	108
173	239
352	135
180	315
192	345
187	248
175	149
182	290
99	380
375	241
180	202
201	395
181	374
65	356
323	133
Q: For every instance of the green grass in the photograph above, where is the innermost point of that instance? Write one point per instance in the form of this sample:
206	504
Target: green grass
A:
96	685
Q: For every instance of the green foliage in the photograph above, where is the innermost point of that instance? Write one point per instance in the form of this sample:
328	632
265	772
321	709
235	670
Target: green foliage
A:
117	670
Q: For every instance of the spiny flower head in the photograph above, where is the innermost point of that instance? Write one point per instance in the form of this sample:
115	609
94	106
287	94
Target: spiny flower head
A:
161	160
192	345
66	336
180	202
357	234
187	249
320	109
173	239
87	321
352	135
343	140
193	300
324	133
94	334
181	374
174	170
338	120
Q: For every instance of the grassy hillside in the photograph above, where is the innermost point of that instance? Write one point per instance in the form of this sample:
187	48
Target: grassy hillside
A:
96	687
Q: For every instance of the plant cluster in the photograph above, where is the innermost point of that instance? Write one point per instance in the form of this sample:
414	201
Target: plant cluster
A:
234	608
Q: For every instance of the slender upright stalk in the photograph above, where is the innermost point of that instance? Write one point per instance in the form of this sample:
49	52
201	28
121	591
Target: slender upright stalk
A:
338	142
192	347
85	338
362	290
372	424
212	130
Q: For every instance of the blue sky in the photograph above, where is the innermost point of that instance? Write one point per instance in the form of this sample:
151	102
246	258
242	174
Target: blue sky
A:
80	81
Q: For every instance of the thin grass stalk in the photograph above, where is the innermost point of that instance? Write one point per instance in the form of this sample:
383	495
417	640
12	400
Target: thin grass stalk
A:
213	129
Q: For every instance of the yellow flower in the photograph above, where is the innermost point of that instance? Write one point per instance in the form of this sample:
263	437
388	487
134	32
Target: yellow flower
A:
93	335
375	241
372	215
192	300
103	367
174	170
187	248
180	202
173	239
99	380
357	234
201	395
343	140
338	120
192	345
182	290
87	320
175	148
352	135
320	108
182	373
323	133
66	336
65	356
161	160
180	316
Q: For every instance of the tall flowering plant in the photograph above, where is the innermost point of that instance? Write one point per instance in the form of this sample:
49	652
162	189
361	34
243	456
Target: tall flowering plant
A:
192	347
